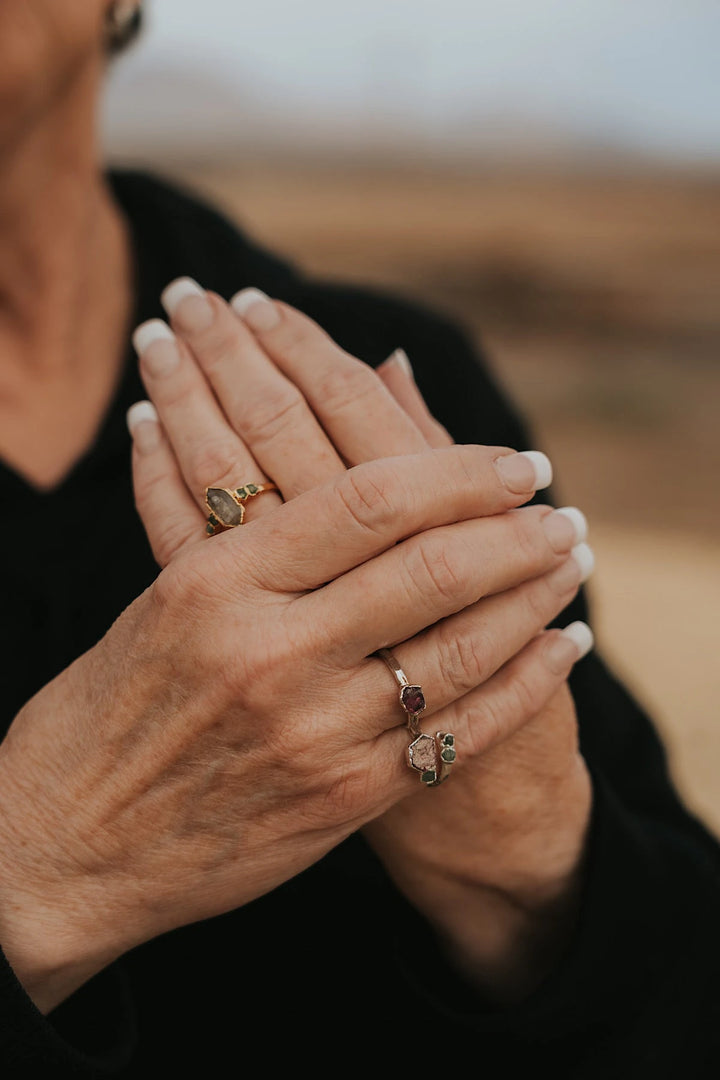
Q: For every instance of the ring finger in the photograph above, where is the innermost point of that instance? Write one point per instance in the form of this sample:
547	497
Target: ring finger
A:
464	651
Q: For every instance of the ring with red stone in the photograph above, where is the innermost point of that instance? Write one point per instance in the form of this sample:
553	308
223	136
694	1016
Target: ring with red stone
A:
412	698
226	506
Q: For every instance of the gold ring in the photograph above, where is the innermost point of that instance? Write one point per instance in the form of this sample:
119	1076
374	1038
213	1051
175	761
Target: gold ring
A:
226	506
431	756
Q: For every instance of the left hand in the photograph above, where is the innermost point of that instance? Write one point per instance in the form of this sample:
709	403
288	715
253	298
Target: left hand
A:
493	857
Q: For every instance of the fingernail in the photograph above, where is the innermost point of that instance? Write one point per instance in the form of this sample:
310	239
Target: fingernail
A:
585	558
561	530
578	519
186	301
402	360
156	344
577	568
143	425
256	309
570	645
529	470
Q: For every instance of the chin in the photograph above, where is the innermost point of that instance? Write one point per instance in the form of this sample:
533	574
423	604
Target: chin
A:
42	52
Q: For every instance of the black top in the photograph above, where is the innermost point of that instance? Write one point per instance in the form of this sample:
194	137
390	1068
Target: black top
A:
280	982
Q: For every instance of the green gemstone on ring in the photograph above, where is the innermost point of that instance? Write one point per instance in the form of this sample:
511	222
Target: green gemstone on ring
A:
253	489
448	740
210	530
448	755
429	777
241	493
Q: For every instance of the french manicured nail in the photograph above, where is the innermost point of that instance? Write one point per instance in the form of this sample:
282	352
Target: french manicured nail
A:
529	470
256	309
156	344
401	359
186	301
585	558
144	427
564	527
569	646
577	568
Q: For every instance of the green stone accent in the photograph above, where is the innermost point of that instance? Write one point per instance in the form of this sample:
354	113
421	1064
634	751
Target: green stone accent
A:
448	755
449	740
429	777
253	489
241	493
210	529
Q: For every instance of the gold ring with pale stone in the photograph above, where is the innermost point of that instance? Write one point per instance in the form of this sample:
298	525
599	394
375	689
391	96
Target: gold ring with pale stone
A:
226	506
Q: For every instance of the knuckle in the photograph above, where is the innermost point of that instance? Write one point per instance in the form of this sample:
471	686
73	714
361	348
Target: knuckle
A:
272	412
529	537
463	659
526	696
347	385
432	573
297	337
214	461
218	344
365	495
541	603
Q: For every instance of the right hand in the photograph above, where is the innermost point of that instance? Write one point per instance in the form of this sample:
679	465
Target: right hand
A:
232	726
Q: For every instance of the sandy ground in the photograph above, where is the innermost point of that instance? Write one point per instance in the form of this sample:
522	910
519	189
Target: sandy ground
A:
597	299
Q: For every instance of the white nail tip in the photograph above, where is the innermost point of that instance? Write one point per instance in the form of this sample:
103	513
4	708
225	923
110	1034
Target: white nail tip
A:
400	357
542	466
150	331
581	635
244	300
177	291
578	519
585	558
141	410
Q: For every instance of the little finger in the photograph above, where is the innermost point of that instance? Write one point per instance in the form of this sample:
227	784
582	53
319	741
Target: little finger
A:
397	374
517	692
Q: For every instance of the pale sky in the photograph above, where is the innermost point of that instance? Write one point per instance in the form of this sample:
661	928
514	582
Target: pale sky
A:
641	74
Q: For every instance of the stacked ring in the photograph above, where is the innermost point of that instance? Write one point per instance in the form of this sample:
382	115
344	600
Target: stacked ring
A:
430	755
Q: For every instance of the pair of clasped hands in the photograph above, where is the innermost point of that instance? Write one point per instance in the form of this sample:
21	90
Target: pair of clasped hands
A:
234	724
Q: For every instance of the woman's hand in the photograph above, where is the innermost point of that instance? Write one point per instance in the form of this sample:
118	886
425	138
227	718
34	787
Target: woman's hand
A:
496	863
493	857
230	729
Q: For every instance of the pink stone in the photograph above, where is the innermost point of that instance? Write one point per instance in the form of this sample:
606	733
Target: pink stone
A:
422	753
412	699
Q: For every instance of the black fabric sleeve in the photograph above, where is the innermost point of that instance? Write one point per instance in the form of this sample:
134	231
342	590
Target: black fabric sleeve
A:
90	1036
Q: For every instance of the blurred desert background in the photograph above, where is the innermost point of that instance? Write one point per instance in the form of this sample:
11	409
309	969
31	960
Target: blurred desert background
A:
553	181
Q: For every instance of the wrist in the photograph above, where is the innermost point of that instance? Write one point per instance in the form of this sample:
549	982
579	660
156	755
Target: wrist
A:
48	971
502	899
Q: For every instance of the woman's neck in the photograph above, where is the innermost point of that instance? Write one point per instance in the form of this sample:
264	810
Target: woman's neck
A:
65	288
64	261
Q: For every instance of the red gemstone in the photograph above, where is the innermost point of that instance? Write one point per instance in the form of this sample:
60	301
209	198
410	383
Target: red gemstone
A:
412	698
